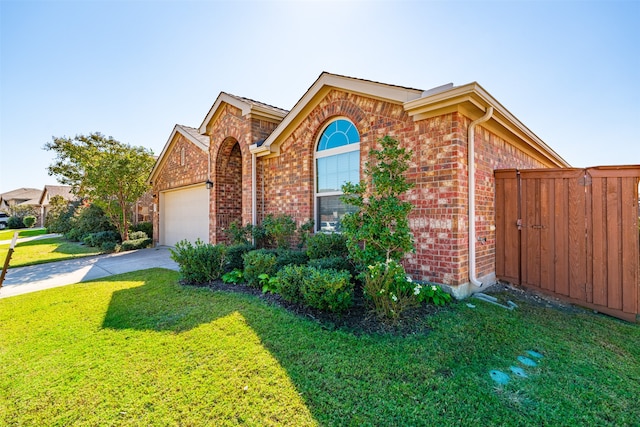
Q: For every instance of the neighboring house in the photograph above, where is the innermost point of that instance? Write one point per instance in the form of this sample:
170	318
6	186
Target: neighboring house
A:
48	193
20	199
249	159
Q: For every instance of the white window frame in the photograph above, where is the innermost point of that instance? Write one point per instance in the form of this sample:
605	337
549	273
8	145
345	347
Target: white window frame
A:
328	153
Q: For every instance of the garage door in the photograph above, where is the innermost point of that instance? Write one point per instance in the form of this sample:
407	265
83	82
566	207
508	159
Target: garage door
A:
184	214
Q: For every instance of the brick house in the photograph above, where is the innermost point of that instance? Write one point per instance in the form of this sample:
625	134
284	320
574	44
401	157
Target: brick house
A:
249	159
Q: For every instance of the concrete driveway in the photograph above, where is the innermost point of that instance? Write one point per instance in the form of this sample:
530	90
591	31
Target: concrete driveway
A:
22	280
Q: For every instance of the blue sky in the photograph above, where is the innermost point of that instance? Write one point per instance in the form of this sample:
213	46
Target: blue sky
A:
570	71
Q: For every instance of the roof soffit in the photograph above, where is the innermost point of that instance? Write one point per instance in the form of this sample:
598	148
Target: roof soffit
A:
472	100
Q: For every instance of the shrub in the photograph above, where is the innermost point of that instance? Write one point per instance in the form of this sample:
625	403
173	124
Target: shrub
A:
87	220
378	231
60	215
390	290
29	221
433	294
131	245
146	226
97	239
15	222
334	263
109	247
237	234
199	262
290	280
135	235
235	276
327	289
286	257
234	260
280	229
256	263
323	245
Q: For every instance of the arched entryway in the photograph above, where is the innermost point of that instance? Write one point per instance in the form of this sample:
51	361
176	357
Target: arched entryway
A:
228	187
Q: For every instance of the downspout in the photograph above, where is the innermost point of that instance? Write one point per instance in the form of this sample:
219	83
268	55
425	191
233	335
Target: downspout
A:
254	192
472	194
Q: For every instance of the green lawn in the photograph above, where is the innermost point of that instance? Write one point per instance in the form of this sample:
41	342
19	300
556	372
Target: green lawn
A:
140	349
45	250
25	232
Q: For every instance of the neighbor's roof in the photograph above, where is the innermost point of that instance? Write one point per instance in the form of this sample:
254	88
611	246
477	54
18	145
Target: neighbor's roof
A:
56	190
21	194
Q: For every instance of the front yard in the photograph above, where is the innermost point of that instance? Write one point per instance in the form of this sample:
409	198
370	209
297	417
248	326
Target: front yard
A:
140	349
41	251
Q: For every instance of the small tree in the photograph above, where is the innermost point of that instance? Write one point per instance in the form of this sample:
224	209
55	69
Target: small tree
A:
58	219
110	174
379	230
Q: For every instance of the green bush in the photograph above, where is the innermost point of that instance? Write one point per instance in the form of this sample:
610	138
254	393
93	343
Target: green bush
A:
87	220
333	263
15	222
131	245
135	235
237	234
60	216
280	230
234	277
327	289
324	245
97	239
290	280
109	247
29	221
256	263
146	227
199	262
234	260
286	257
390	290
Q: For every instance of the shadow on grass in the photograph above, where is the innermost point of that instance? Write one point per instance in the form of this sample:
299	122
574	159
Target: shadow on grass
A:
159	306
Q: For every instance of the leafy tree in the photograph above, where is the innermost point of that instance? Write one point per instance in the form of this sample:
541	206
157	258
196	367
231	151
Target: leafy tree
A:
110	174
379	230
58	219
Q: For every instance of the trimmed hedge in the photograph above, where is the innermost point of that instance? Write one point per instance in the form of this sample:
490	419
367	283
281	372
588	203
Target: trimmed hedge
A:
199	262
323	245
130	245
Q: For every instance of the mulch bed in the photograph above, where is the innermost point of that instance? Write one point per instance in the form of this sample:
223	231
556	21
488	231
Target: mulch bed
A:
358	320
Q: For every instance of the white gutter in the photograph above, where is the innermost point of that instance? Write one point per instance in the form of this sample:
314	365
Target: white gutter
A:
472	194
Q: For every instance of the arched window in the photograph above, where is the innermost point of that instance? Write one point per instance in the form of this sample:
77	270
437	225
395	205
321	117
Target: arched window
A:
337	162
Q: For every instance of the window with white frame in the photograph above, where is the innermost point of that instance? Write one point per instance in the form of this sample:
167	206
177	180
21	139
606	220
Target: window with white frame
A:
337	162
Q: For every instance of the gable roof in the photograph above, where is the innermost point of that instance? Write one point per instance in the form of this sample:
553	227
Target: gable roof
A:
24	194
191	134
249	108
56	190
473	100
323	84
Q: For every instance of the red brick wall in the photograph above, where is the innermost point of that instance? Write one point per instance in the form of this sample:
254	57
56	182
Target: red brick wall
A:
231	135
175	174
438	168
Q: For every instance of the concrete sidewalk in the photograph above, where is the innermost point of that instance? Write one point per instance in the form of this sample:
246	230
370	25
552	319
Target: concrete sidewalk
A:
22	280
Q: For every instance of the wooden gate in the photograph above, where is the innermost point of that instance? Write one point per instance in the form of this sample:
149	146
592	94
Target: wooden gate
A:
572	233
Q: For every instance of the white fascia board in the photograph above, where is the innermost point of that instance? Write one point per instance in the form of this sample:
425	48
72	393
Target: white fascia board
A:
363	87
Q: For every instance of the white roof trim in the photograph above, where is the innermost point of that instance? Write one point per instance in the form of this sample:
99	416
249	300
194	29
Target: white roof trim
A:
365	87
182	130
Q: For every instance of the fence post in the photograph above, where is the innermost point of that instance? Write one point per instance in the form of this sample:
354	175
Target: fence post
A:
8	258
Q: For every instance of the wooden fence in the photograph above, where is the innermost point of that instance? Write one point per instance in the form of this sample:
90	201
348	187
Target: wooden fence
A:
572	233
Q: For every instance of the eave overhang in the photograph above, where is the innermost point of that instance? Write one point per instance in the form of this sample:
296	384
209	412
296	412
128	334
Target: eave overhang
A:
472	100
248	110
325	83
201	143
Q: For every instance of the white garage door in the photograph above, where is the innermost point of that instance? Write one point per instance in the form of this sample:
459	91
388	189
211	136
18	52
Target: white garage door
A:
184	214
